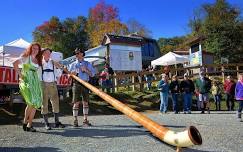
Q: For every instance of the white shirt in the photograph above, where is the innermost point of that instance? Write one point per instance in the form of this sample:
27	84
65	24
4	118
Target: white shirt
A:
48	76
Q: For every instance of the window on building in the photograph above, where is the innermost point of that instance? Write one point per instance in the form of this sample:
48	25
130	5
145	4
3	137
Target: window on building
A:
195	48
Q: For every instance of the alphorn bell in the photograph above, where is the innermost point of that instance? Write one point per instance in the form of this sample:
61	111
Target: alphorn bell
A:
187	138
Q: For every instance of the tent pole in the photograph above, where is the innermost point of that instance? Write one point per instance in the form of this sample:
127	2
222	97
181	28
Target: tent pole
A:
176	68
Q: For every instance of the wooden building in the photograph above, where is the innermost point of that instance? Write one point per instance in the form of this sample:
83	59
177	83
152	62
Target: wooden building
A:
126	53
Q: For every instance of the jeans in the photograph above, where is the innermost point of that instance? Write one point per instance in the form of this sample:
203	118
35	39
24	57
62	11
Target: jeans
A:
187	101
230	102
198	103
217	101
164	101
240	108
175	101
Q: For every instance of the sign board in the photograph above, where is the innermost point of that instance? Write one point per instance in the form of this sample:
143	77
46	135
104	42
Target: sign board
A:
56	56
125	58
8	76
195	56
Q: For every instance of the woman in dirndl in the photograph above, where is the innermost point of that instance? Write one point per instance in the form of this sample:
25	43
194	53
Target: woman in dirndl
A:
28	67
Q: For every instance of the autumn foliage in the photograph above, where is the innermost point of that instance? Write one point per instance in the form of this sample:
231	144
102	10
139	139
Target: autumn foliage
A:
84	32
103	18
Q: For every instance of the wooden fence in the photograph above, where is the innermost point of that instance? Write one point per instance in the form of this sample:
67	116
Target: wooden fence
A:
136	80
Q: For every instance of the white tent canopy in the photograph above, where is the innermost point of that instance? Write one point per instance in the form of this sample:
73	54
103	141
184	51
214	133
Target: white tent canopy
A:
11	51
169	59
14	47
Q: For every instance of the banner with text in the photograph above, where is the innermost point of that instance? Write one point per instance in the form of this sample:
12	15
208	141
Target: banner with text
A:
9	76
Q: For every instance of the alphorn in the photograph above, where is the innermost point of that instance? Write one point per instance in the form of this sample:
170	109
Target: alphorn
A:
187	138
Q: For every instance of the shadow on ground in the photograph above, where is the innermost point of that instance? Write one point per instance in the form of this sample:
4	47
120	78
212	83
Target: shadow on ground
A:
99	132
29	149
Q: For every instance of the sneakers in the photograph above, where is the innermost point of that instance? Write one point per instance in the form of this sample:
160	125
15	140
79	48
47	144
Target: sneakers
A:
59	125
86	123
75	123
31	129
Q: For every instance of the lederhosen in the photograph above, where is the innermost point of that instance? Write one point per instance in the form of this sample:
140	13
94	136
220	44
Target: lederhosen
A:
50	92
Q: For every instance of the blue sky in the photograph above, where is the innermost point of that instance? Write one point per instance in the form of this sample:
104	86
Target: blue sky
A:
165	18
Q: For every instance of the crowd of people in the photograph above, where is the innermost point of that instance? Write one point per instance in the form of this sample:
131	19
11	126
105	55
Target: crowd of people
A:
202	87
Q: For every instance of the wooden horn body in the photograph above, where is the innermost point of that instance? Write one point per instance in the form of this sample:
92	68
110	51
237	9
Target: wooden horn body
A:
187	138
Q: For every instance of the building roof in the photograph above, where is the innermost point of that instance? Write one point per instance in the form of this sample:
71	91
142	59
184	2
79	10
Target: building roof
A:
195	40
132	40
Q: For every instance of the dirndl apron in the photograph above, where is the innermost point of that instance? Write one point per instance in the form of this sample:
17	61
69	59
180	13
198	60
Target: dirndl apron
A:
30	86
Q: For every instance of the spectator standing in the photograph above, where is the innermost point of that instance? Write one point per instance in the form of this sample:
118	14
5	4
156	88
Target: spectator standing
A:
187	89
239	95
149	77
110	75
163	86
104	80
203	86
216	92
110	70
167	70
229	89
175	90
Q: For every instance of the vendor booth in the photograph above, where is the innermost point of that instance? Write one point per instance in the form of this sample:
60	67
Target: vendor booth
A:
169	59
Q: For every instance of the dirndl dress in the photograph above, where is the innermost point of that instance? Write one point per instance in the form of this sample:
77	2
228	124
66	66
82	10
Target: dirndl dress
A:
30	86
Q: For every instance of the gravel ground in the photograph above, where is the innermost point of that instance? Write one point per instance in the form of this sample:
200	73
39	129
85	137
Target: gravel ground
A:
116	133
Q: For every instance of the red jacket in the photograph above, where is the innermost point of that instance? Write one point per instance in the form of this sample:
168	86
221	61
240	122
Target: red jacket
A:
229	87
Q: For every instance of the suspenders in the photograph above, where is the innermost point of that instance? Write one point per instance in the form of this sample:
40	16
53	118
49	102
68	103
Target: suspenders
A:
48	70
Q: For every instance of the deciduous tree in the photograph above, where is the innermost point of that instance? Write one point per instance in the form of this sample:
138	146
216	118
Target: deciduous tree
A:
135	27
63	36
103	18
